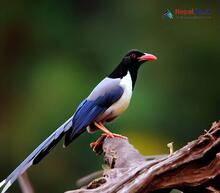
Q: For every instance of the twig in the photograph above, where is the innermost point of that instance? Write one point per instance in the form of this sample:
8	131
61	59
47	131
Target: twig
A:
25	183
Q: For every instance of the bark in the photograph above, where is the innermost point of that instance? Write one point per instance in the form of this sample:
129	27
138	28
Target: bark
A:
25	183
193	168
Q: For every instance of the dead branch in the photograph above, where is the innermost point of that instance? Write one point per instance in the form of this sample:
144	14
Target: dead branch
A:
25	183
193	168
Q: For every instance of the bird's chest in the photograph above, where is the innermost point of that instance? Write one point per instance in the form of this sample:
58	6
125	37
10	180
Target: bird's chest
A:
122	104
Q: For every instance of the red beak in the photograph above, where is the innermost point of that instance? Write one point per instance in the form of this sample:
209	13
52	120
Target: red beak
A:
147	57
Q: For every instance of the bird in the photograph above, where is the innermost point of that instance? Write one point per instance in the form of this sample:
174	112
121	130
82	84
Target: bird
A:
108	100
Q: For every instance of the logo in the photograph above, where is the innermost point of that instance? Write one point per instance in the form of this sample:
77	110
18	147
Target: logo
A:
168	14
192	13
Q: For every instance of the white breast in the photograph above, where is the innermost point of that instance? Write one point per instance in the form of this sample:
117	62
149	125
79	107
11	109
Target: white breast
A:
122	104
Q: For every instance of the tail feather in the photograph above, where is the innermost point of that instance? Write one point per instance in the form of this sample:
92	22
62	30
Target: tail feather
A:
71	135
2	183
37	155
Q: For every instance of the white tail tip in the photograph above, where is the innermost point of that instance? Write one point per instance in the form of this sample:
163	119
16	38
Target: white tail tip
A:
6	187
2	183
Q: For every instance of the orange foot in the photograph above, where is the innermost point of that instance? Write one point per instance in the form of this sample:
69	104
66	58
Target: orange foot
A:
98	143
112	135
107	133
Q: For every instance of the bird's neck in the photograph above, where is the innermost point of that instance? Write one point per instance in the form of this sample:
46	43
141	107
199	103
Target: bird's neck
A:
133	73
121	71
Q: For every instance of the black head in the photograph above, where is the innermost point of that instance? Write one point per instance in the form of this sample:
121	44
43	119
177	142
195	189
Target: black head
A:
134	58
131	62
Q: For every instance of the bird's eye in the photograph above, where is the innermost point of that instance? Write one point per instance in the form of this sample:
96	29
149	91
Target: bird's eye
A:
133	56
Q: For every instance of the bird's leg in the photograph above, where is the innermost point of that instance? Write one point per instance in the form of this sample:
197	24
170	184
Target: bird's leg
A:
107	132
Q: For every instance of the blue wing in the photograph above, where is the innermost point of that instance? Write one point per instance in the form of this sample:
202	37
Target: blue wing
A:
89	110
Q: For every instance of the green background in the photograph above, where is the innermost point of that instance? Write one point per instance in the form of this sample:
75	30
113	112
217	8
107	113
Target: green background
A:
52	54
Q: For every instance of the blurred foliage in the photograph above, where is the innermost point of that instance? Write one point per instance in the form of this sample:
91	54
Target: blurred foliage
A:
52	53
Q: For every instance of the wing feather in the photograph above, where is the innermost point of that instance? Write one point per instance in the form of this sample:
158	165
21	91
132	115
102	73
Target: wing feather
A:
89	111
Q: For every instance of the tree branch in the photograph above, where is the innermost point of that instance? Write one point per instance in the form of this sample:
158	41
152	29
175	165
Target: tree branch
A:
193	168
25	183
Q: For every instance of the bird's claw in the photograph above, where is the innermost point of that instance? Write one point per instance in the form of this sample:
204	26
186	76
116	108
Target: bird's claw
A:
97	145
112	135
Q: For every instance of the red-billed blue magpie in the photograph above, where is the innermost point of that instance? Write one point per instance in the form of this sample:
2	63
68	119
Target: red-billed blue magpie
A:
107	101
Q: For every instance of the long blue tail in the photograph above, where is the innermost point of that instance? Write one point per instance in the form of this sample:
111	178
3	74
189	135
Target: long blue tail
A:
35	157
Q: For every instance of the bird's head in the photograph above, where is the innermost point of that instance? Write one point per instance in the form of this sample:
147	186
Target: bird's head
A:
134	58
131	62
